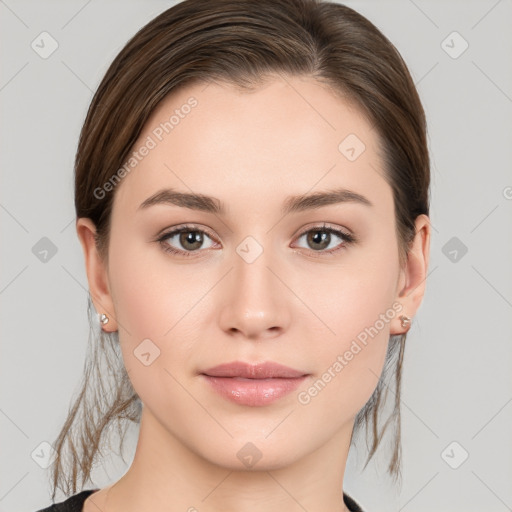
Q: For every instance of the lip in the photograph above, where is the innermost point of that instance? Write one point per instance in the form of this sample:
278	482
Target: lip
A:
253	385
267	370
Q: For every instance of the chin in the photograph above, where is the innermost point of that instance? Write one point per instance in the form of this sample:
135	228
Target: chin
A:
252	454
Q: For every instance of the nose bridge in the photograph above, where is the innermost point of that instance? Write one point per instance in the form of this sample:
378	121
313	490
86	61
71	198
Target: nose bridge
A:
254	281
255	302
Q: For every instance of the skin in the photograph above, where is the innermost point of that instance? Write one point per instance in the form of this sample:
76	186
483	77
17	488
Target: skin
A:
250	150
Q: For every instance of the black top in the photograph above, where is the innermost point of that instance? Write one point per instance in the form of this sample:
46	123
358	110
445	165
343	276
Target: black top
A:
75	503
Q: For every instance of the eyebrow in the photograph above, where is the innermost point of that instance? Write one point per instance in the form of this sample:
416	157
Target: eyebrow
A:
292	204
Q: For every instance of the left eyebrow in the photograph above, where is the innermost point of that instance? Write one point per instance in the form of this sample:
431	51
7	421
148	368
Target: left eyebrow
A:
292	204
319	199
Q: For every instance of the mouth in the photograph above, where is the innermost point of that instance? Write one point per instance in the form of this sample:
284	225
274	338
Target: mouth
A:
253	385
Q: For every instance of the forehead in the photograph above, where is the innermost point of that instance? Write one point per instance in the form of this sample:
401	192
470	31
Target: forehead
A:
286	137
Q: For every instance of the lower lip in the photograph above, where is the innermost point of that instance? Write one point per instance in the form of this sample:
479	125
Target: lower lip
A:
253	392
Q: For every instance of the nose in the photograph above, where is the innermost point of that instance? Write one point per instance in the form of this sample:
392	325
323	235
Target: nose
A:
255	301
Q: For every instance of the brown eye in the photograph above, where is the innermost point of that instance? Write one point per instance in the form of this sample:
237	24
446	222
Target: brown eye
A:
194	238
320	239
323	239
185	241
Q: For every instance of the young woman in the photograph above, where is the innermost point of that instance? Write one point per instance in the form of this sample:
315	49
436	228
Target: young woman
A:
252	200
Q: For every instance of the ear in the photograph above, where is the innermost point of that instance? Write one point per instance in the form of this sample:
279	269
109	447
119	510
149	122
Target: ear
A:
97	274
412	280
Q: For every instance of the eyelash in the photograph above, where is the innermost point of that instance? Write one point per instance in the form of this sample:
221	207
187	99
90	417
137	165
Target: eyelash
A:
349	239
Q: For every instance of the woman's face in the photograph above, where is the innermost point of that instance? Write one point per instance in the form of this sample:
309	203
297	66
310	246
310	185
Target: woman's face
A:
254	280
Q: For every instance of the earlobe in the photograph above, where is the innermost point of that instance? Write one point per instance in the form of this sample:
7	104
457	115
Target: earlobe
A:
97	275
410	295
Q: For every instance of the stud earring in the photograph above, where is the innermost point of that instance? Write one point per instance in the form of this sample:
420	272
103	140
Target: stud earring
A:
405	320
104	319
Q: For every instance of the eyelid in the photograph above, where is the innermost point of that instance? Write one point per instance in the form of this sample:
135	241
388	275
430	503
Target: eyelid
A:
175	230
345	234
348	237
327	226
167	232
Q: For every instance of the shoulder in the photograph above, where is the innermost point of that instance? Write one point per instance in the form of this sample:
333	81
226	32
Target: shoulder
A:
72	504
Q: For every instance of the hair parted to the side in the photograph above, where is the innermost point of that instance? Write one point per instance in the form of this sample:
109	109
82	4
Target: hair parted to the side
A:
240	42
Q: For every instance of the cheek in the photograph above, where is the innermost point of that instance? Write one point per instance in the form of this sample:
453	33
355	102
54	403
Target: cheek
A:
359	311
149	292
153	306
159	301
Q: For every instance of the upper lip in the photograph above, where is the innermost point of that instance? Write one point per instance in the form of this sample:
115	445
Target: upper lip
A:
265	370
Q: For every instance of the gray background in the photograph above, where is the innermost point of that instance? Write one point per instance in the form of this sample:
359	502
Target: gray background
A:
457	370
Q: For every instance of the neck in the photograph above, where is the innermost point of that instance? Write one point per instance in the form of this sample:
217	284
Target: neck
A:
166	475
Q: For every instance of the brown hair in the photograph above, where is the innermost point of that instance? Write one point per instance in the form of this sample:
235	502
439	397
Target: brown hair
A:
240	42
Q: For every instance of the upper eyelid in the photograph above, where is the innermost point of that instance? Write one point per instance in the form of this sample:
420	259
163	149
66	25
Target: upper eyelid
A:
187	227
192	227
348	239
